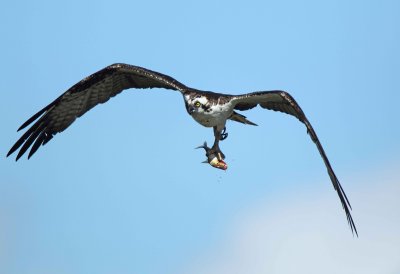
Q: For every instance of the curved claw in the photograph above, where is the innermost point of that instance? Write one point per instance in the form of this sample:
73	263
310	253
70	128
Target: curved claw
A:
219	154
223	135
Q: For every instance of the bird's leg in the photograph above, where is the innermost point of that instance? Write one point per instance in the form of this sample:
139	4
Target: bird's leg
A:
215	148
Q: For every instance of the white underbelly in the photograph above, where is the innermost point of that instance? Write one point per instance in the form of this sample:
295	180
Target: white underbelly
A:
211	120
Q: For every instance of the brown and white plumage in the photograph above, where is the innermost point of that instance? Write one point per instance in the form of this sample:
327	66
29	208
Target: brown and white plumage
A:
207	108
95	89
284	102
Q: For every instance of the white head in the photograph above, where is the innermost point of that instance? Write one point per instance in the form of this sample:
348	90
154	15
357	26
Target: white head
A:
197	104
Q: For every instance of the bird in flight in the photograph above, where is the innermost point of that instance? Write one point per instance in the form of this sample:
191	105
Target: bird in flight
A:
209	109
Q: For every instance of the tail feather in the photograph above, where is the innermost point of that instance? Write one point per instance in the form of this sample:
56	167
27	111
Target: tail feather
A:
241	119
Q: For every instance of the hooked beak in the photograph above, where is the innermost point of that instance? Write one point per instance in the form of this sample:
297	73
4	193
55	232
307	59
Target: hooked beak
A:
191	110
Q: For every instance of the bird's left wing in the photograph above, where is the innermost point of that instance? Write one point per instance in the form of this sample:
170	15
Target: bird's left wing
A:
282	101
93	90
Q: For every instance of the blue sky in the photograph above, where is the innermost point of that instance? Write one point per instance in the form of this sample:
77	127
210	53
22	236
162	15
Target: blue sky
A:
123	191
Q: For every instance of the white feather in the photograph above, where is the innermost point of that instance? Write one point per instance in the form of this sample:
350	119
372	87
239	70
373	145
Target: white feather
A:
216	115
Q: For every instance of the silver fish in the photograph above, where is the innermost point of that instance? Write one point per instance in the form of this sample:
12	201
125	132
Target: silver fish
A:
213	159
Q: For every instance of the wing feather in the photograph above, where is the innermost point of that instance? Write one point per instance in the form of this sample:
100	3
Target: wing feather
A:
282	101
95	89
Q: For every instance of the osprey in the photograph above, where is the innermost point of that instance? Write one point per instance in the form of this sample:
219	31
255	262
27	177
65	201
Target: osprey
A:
209	109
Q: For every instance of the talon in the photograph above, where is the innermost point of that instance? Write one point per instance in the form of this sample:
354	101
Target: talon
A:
220	156
224	134
215	150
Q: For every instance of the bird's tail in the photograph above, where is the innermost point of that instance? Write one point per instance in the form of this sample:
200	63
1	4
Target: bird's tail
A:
241	119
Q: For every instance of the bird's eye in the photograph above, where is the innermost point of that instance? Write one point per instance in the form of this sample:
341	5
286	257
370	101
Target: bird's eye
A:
197	104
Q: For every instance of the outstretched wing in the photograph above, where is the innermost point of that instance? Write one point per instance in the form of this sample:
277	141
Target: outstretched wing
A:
282	101
93	90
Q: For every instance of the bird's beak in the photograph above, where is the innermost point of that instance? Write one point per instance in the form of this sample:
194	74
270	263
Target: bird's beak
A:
191	110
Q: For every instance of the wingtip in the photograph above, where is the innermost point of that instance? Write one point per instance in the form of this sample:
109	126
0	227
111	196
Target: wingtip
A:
351	223
354	231
17	158
353	228
11	151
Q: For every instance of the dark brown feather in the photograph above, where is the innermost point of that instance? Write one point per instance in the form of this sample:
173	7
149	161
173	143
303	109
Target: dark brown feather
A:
282	101
93	90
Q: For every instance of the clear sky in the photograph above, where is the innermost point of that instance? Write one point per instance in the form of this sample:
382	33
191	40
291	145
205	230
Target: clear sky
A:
123	190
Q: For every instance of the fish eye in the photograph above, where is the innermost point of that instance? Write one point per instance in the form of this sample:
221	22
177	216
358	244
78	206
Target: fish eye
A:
197	104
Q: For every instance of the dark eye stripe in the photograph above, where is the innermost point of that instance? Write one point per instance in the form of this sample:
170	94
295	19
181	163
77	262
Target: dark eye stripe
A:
206	107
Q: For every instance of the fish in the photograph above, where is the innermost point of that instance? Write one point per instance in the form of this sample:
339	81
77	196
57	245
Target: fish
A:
212	158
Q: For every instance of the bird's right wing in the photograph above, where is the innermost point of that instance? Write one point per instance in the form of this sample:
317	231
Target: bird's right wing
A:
93	90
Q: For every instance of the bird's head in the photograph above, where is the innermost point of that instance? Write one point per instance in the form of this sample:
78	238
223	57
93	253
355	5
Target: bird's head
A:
197	104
